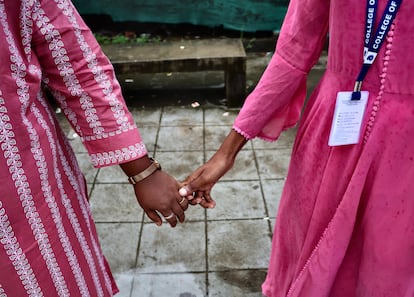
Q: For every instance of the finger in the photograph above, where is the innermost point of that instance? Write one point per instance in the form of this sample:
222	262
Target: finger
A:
179	212
193	202
198	196
171	218
154	217
207	195
183	202
208	203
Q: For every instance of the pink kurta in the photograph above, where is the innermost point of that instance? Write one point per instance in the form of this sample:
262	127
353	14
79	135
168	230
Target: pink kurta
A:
345	226
48	241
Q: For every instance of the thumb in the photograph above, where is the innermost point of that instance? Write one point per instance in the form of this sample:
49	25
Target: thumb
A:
191	184
186	191
191	187
196	185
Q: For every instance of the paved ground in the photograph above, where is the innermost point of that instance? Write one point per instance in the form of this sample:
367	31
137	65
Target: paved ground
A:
219	252
216	253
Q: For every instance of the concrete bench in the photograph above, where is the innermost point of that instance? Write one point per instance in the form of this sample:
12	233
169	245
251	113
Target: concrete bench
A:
226	55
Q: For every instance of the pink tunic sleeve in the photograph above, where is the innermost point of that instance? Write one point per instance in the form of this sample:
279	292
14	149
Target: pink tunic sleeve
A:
82	80
277	100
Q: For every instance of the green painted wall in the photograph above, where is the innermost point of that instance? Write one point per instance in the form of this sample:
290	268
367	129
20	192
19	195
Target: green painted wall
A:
243	15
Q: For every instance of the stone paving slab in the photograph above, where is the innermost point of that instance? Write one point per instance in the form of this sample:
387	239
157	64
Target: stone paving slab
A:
246	283
246	195
218	252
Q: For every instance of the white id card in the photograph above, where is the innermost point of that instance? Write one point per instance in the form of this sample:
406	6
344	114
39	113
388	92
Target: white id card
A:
347	120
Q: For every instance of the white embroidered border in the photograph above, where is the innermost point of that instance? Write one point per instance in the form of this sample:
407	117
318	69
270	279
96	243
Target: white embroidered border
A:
15	166
106	158
68	205
73	261
118	156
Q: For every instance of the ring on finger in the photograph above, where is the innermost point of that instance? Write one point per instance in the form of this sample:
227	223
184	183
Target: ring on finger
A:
182	200
170	216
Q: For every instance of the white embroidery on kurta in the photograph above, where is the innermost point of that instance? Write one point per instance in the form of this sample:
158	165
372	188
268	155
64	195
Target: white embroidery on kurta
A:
26	25
84	208
62	61
69	113
2	293
18	174
33	69
100	75
75	177
118	156
63	64
71	214
52	36
11	244
105	158
66	244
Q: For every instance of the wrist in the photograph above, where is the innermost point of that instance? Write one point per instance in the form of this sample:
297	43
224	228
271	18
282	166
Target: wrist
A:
145	173
140	169
231	146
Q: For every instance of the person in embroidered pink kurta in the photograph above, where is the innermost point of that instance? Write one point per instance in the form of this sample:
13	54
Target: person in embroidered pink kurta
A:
345	224
48	241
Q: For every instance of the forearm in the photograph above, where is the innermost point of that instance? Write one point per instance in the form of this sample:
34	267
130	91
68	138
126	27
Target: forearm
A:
199	184
134	167
232	144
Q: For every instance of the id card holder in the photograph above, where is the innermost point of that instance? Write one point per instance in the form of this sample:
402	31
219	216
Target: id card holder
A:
347	120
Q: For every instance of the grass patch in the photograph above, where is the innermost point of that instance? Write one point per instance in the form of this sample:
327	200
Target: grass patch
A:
127	38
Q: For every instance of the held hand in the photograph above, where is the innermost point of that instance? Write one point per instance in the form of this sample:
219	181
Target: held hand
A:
158	194
197	187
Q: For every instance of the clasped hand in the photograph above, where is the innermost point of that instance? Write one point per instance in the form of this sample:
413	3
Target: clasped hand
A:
171	199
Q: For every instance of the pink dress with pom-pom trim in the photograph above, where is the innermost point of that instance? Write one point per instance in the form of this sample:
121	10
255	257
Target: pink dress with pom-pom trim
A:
345	224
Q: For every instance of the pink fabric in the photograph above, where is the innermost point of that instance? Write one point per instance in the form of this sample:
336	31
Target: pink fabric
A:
48	241
345	225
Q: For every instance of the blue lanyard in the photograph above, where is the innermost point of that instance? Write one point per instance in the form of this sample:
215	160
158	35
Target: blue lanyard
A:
373	45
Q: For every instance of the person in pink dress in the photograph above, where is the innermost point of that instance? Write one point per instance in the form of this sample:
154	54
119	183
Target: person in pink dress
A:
345	224
48	241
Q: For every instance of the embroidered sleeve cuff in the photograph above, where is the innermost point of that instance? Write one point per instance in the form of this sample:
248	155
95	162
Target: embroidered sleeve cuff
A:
114	157
116	149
